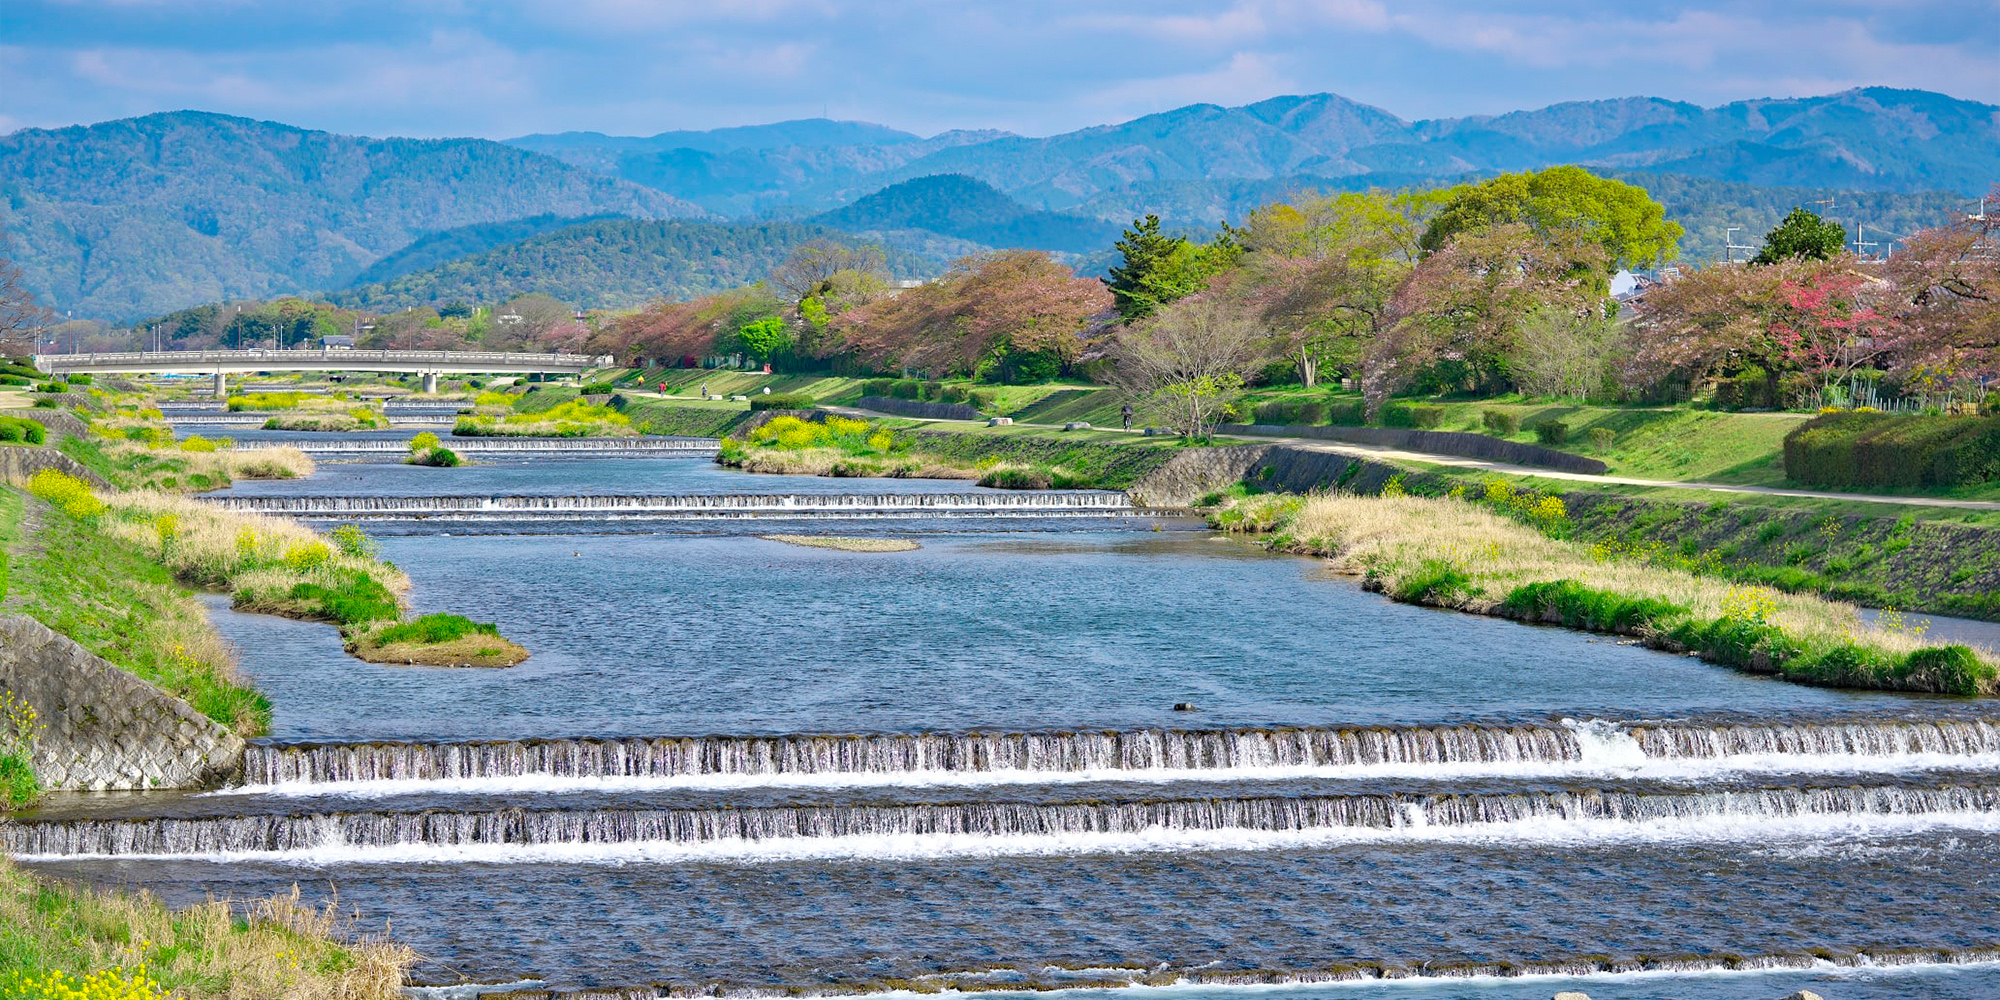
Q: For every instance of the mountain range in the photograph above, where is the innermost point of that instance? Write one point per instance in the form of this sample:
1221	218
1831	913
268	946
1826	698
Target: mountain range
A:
140	216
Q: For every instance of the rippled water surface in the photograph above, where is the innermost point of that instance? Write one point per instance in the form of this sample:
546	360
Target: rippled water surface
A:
1584	831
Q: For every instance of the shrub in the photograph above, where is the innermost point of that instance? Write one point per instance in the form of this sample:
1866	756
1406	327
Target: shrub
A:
429	630
1434	581
878	387
309	556
1946	670
1601	438
67	493
982	399
424	441
439	457
1500	423
1275	413
79	378
783	401
1552	432
906	388
12	380
24	431
197	443
1347	414
933	391
52	387
1423	416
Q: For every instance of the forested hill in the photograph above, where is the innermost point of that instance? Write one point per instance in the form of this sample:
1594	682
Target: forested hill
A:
612	263
956	205
145	215
444	246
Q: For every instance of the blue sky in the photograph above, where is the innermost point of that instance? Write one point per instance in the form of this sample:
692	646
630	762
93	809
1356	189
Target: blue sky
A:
499	68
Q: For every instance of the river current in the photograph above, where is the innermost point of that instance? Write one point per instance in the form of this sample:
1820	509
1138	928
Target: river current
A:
738	764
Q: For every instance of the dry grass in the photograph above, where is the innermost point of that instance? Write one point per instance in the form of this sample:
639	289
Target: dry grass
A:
1454	554
836	462
273	948
218	466
467	651
242	550
846	544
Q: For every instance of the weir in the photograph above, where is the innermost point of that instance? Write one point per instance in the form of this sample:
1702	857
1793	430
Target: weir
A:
1060	753
245	418
582	447
997	821
690	505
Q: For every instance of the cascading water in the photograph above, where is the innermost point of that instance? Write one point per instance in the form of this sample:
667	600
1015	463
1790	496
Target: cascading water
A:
996	825
1050	503
1595	746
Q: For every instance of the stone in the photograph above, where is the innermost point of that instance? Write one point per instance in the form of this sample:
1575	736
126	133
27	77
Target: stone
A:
1076	425
739	399
1154	432
106	728
1572	995
1185	706
999	421
1804	995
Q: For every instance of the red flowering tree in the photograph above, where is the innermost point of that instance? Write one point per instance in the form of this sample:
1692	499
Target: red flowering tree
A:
1829	327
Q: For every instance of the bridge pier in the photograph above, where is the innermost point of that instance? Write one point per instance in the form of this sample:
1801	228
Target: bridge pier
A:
221	386
430	382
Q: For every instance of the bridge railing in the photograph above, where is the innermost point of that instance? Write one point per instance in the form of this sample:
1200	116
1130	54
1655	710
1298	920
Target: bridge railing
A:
188	359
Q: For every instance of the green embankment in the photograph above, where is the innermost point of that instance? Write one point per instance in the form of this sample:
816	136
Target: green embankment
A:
100	591
1106	461
682	418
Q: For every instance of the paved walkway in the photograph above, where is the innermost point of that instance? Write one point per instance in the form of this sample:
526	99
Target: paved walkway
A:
1399	455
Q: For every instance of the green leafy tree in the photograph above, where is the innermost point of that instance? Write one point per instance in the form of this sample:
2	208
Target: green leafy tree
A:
765	339
1623	219
1802	236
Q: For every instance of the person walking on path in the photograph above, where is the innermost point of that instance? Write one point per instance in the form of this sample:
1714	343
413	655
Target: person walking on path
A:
1125	414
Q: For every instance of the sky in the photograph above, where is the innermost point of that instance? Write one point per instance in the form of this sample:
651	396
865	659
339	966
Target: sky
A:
501	68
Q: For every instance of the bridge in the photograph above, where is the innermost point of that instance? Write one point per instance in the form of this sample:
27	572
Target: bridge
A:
429	364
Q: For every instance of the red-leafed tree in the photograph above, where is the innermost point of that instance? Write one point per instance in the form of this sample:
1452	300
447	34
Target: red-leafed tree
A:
1829	325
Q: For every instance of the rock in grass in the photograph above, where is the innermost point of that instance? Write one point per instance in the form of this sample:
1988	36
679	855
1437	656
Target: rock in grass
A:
845	544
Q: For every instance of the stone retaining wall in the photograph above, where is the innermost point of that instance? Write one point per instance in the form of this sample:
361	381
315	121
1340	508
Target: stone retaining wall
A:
107	729
18	463
1436	442
61	423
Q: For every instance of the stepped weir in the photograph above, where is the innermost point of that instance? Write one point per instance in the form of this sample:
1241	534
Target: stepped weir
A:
992	820
1039	504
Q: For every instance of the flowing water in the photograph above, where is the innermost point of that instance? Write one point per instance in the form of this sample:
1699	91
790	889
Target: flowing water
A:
740	765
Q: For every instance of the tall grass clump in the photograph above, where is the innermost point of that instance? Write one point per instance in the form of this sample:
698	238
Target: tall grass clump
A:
572	418
1462	554
65	942
20	729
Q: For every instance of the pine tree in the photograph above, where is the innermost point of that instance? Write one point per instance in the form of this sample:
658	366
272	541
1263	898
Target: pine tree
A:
1144	249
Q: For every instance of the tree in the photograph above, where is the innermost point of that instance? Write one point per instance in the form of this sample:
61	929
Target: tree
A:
1802	235
1189	360
1010	302
1559	353
1948	303
1157	269
765	339
1323	270
814	267
20	315
1629	227
1829	326
1457	319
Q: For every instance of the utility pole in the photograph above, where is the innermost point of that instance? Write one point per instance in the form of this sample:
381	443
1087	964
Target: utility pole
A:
1860	245
1729	244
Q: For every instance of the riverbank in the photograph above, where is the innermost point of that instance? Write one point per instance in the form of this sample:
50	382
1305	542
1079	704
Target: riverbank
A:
59	940
999	457
1454	554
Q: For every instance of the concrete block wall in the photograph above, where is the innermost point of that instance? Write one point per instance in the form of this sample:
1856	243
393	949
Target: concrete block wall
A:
107	729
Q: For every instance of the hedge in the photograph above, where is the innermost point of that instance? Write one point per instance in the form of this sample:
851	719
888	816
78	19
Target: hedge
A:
783	401
22	431
1893	450
1423	416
